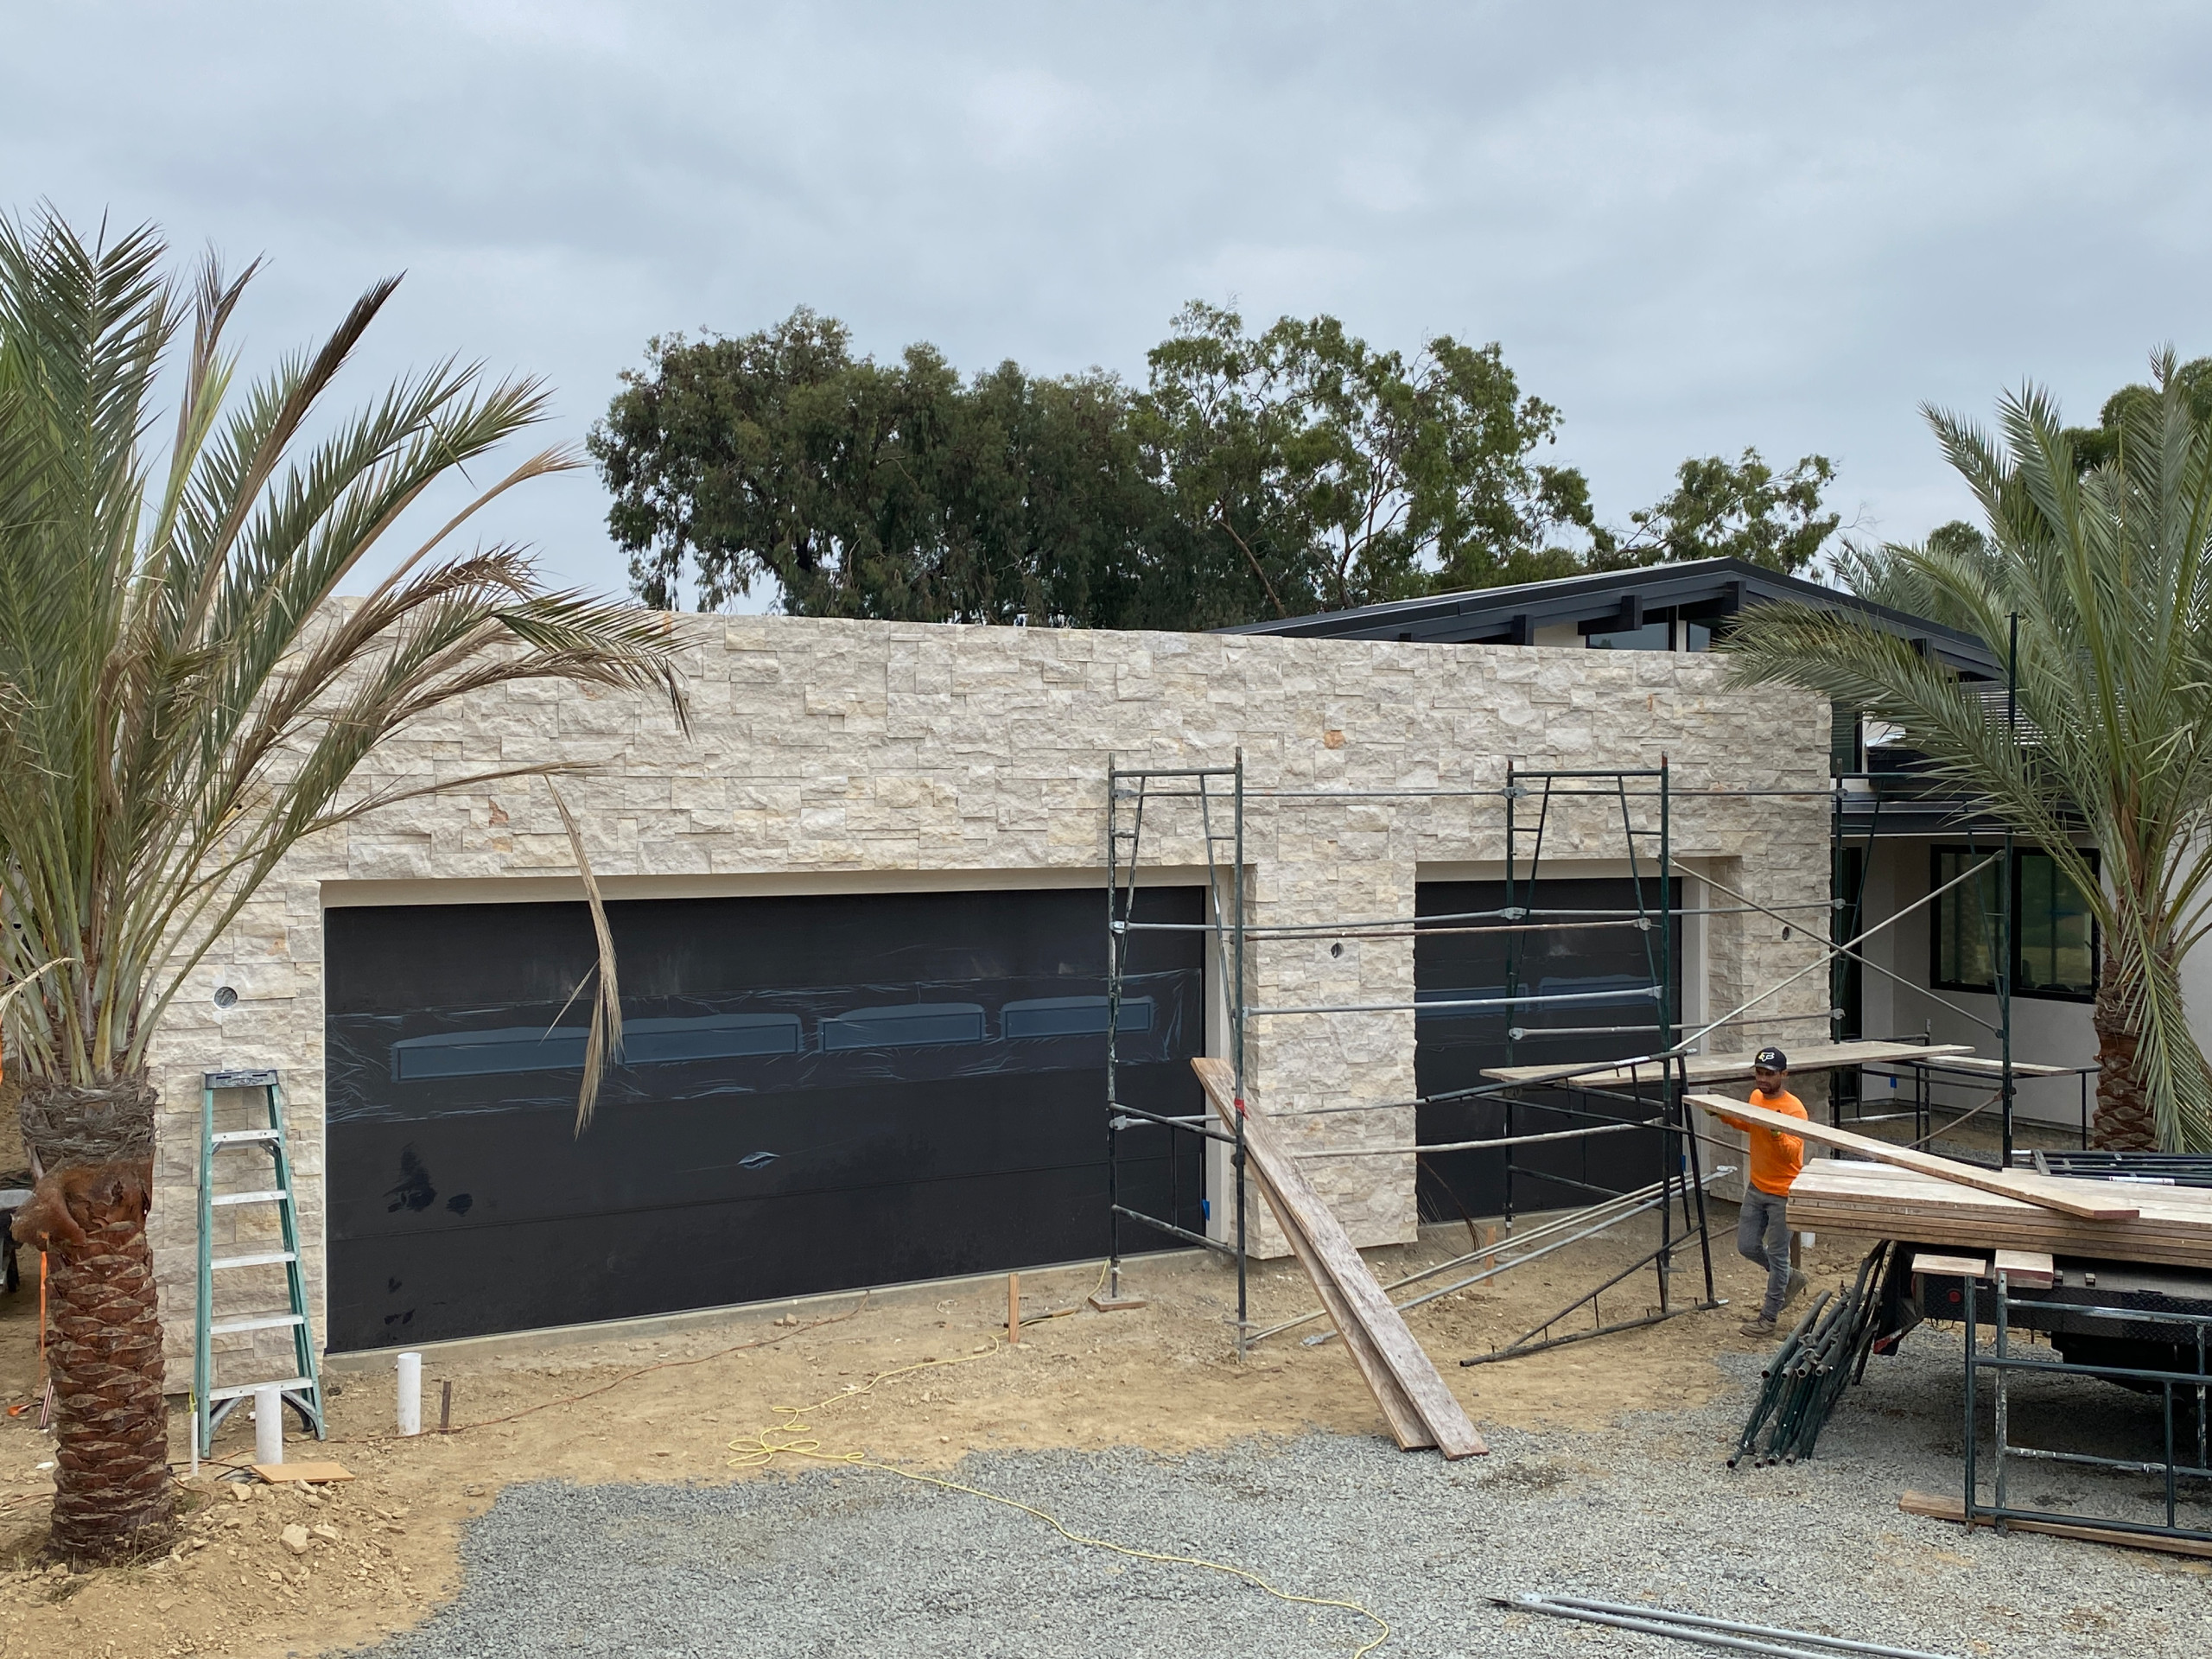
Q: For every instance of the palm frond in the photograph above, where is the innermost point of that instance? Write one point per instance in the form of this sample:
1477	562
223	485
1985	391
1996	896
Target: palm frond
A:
2105	569
183	700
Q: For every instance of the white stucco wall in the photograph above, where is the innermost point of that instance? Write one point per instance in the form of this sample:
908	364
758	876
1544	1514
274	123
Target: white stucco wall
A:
2046	1031
826	756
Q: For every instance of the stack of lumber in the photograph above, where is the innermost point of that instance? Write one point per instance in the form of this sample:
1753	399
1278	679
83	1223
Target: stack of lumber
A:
2172	1225
1421	1412
2085	1200
1936	1199
1909	1194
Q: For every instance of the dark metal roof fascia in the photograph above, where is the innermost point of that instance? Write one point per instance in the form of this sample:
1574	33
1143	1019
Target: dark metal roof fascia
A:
1488	615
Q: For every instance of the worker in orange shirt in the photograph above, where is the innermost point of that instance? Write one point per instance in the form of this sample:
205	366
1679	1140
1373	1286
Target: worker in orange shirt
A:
1762	1225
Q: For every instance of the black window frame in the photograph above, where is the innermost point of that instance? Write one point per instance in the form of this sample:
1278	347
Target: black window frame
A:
2021	989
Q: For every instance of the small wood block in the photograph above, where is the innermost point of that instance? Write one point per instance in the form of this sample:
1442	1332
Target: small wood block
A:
2027	1269
1952	1267
1116	1304
316	1474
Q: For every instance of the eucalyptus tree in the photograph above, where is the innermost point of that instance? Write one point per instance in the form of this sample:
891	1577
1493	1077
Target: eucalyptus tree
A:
183	700
2106	565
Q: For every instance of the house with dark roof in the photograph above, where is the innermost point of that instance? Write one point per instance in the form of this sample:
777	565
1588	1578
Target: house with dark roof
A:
1934	968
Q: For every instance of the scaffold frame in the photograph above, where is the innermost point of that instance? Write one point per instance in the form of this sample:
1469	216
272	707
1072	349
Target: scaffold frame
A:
1222	797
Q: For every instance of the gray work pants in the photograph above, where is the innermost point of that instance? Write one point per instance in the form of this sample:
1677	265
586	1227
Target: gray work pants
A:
1763	1236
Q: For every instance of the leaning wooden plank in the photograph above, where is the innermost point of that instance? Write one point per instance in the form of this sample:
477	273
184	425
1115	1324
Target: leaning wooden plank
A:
1952	1509
1363	1306
1408	1425
1729	1068
1404	1417
2045	1191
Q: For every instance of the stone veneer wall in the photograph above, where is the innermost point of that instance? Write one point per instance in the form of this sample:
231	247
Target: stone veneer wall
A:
829	755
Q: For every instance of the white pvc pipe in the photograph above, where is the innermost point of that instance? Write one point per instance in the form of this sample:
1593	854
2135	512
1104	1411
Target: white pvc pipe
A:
269	1425
411	1393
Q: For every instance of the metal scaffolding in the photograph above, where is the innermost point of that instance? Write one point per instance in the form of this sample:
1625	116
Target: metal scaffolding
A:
1219	799
1218	792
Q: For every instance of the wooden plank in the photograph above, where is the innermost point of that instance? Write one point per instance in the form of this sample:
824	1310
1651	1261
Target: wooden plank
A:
2027	1269
1407	1427
1399	1411
2046	1191
2179	1207
1952	1267
1954	1510
1837	1195
1981	1066
1729	1068
1360	1309
316	1474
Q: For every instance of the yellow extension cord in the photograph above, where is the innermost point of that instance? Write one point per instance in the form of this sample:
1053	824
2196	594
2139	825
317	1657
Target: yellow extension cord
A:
784	1440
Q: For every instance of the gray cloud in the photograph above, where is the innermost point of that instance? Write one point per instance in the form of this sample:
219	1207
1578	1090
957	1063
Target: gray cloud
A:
1692	227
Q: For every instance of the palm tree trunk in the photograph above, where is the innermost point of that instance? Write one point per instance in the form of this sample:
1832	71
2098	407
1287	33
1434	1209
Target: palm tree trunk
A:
114	1499
2124	1120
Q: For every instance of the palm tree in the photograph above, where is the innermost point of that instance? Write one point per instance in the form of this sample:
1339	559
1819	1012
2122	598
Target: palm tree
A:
2104	565
181	703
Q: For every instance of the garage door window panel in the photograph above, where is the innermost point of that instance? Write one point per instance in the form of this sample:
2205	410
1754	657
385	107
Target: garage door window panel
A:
1581	993
909	1123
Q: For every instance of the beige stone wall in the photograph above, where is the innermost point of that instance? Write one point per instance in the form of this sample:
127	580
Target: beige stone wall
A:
825	755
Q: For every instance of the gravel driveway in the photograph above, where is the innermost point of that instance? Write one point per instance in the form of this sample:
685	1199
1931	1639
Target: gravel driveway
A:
855	1562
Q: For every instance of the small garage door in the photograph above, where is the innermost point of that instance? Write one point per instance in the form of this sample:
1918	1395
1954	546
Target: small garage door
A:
815	1094
1608	970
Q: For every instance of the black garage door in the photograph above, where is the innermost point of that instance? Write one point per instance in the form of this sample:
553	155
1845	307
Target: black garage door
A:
816	1093
1607	970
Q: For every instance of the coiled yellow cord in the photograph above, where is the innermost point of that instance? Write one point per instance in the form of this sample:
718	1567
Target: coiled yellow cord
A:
792	1438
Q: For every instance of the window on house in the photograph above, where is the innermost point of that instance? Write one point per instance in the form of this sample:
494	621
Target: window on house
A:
2054	952
1652	636
2057	954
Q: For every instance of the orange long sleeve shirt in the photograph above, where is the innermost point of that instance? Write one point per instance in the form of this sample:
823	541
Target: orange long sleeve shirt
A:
1775	1157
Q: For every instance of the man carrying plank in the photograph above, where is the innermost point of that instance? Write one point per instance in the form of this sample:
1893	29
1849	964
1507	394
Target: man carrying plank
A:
1762	1225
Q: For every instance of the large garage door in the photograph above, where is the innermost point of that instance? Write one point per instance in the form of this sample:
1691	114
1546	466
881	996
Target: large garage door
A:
1606	970
816	1093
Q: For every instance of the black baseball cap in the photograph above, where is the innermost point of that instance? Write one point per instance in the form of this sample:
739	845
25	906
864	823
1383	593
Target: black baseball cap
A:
1770	1059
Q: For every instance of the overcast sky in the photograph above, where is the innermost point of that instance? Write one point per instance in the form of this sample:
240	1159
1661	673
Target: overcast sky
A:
1692	227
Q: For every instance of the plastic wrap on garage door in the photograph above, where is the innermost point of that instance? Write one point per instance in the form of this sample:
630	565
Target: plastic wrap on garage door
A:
1601	977
814	1094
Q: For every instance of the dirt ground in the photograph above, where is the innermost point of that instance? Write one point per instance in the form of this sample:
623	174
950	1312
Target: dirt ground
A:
381	1550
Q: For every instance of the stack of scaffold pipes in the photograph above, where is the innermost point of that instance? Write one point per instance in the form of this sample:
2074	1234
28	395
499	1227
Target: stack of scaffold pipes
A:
1421	1412
1806	1378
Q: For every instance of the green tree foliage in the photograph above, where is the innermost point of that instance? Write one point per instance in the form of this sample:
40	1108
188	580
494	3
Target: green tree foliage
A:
2093	446
1342	475
2107	565
1253	476
1741	509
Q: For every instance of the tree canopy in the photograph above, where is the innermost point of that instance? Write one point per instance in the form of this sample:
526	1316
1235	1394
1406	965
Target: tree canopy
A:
1254	475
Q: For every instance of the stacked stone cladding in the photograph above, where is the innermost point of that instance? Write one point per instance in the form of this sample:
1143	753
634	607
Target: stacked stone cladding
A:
833	755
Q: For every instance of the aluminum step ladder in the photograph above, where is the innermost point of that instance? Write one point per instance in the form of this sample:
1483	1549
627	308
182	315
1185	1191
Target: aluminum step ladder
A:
302	1388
